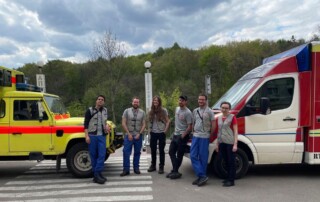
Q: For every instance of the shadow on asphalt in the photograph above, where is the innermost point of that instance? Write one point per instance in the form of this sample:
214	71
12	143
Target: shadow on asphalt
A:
290	170
9	169
284	170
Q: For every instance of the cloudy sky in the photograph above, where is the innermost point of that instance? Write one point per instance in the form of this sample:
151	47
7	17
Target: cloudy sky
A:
42	30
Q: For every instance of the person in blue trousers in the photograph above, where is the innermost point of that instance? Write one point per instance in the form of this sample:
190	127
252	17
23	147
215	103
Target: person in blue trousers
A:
96	129
203	127
133	123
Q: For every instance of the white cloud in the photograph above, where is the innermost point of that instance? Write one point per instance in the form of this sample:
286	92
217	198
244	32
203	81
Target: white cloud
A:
36	30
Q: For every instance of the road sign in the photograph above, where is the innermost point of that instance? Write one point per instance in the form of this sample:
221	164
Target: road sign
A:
41	82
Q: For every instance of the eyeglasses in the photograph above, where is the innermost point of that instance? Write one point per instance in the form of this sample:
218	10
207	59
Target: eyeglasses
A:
224	108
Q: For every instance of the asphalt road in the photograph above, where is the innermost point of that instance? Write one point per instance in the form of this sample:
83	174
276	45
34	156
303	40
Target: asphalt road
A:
24	181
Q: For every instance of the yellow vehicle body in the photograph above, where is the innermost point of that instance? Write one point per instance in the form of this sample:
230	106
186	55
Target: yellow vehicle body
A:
36	126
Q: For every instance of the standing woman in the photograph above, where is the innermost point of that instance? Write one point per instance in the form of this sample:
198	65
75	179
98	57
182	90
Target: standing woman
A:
158	124
227	143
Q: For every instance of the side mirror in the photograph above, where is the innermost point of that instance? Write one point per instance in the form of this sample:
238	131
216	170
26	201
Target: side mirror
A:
265	105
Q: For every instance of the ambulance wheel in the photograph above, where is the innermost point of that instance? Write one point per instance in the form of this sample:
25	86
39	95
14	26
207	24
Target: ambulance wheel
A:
78	160
242	165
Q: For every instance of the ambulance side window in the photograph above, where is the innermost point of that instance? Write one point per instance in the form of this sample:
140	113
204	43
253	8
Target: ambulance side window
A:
279	91
26	110
2	108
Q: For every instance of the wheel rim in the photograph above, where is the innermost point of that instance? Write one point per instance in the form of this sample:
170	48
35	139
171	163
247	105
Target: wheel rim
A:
82	161
238	164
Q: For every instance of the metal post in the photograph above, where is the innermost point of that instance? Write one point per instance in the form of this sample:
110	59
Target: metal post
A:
208	86
148	86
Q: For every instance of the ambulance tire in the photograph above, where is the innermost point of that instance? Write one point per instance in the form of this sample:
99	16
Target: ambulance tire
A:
242	165
78	160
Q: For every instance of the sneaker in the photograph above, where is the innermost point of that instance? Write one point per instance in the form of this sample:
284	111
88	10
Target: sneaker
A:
196	181
175	175
124	173
151	168
202	181
228	184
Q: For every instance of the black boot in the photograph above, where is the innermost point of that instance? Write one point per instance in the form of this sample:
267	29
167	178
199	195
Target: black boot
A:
98	179
101	176
124	173
152	168
161	171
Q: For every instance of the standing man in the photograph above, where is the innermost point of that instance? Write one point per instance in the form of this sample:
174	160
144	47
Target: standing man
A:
204	125
96	129
133	123
227	144
183	126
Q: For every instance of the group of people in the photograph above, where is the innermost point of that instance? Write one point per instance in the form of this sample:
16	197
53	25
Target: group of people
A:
200	124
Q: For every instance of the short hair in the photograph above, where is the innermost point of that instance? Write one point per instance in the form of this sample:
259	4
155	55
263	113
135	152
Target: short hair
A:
183	97
202	94
225	102
104	98
135	97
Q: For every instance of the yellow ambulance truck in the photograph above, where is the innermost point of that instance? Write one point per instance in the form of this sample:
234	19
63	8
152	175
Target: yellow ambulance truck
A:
36	126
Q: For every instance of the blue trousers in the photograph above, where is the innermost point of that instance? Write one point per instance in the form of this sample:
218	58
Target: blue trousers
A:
127	150
97	150
199	153
229	157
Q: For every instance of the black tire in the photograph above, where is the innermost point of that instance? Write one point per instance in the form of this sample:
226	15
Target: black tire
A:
107	156
78	160
242	165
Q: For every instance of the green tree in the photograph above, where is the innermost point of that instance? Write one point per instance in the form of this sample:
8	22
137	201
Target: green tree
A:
110	55
170	102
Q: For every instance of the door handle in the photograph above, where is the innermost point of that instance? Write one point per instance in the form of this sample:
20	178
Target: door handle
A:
289	119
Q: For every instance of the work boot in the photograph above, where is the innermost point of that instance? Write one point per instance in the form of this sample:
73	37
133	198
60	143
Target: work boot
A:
169	174
101	176
124	173
152	168
98	179
175	175
228	184
161	171
137	171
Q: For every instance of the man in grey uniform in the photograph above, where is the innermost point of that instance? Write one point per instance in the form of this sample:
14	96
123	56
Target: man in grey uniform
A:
183	126
133	123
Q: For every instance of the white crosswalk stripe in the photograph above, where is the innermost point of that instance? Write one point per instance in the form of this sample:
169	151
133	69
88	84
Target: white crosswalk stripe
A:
43	183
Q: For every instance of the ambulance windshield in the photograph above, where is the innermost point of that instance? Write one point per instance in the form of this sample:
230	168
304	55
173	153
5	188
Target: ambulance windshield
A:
236	92
56	105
